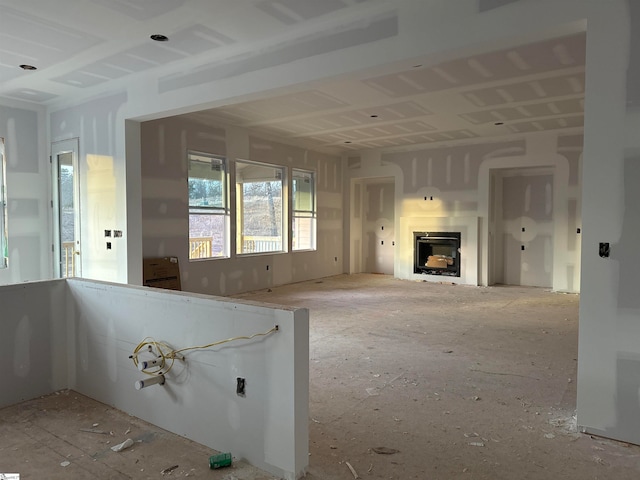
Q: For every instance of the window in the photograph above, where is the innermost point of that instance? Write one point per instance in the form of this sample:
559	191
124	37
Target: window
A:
4	248
208	206
260	207
304	210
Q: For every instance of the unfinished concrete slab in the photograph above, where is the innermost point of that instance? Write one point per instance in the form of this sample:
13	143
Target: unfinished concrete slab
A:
69	436
463	382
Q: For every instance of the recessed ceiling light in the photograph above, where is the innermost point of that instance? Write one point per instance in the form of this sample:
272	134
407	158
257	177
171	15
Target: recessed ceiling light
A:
499	123
28	67
348	141
159	37
373	116
418	65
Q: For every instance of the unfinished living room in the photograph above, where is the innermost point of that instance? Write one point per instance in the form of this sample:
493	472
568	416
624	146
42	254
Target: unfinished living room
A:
396	239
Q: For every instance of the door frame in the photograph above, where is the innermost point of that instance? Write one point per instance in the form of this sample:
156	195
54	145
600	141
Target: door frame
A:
58	148
560	164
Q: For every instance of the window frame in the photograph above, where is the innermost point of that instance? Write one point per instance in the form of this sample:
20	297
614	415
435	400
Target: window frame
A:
221	211
240	212
301	213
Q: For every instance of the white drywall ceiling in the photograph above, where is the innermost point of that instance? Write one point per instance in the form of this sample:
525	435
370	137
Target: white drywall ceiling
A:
85	48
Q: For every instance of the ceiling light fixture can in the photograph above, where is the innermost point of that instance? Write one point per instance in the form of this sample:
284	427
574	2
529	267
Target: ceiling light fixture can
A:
158	37
28	67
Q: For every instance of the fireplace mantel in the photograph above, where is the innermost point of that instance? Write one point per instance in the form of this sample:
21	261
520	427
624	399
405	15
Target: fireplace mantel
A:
469	249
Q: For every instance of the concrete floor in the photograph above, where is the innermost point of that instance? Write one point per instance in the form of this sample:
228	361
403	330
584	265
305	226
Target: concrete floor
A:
444	381
465	382
68	436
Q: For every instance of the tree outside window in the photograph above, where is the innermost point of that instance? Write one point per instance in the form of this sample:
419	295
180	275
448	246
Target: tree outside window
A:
259	208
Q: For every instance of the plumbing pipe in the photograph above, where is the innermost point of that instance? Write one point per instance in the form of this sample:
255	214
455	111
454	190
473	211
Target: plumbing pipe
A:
140	384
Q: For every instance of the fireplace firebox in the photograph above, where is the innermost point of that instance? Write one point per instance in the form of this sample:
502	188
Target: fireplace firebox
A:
437	253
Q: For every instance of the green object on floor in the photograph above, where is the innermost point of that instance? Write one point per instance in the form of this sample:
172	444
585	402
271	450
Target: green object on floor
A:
220	460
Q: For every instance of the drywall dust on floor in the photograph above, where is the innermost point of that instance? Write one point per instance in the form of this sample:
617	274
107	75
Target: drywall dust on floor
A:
460	382
69	436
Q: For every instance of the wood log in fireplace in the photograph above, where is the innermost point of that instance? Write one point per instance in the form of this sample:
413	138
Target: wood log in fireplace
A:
439	261
437	253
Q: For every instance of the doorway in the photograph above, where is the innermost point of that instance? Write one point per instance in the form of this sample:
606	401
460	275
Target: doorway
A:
67	208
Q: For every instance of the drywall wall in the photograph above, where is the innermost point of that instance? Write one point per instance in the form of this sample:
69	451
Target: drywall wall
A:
369	38
165	207
542	152
378	229
609	347
33	346
449	187
527	228
22	126
79	334
268	426
133	198
100	128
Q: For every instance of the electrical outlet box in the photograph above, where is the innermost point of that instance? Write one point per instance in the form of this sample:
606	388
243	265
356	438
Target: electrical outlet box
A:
604	250
240	386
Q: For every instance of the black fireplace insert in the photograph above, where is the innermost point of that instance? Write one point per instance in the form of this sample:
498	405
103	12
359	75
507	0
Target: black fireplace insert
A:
437	253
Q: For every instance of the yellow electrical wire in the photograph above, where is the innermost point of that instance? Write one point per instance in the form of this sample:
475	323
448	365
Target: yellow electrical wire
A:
168	355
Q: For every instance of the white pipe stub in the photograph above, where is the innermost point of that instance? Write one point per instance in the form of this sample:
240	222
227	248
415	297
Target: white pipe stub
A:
147	382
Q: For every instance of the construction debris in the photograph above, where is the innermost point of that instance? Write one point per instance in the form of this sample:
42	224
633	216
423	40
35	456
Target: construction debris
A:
94	430
384	450
353	470
122	446
169	469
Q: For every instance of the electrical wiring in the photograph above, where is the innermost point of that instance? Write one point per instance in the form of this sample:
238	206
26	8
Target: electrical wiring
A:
165	355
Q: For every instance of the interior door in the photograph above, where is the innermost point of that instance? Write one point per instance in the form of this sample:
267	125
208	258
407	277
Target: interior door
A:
67	208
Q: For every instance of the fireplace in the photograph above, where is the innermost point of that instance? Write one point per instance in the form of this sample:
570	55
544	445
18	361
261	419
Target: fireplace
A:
437	253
